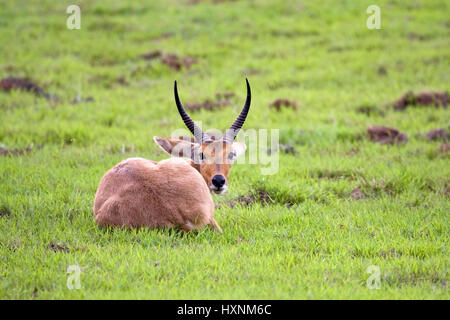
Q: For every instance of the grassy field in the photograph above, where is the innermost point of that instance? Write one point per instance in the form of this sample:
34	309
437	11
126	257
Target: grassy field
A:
303	235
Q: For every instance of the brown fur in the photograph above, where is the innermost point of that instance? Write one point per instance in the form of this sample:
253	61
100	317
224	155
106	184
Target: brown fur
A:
216	155
215	152
143	193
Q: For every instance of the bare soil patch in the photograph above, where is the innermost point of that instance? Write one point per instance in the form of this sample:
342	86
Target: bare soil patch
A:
285	148
4	211
437	134
14	152
333	174
58	247
357	194
177	63
261	196
222	100
431	98
286	103
151	55
24	84
386	135
171	60
369	110
444	148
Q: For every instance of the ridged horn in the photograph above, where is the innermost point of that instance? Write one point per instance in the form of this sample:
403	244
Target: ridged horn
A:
199	135
231	133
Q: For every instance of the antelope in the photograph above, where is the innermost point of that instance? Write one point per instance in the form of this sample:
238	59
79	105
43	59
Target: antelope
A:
172	193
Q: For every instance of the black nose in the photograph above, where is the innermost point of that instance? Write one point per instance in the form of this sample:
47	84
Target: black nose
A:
218	181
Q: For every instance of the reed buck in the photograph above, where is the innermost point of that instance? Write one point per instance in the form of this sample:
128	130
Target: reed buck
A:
171	193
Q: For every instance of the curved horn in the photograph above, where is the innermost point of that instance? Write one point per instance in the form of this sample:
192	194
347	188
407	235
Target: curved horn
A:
199	135
231	133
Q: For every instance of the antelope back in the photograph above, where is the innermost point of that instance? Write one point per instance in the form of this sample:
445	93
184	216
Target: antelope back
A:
143	193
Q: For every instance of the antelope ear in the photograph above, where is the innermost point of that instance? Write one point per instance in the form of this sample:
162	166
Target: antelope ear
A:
239	148
176	147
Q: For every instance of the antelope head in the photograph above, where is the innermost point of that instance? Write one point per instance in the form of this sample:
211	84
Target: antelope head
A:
211	157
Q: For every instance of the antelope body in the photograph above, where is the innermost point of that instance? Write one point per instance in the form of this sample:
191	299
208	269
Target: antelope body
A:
175	192
139	192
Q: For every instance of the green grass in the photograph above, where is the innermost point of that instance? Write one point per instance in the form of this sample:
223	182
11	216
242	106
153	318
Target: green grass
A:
312	240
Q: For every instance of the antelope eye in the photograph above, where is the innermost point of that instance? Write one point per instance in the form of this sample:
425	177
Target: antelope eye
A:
231	155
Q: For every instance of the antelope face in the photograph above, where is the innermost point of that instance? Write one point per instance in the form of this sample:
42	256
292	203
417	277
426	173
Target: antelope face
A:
212	158
216	159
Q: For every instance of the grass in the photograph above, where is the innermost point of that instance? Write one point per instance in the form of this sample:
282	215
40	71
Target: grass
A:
310	239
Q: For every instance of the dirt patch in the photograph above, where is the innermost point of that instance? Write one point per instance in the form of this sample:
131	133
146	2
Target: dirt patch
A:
14	152
437	134
18	152
286	103
431	98
369	110
122	81
188	61
285	148
58	247
261	196
357	194
4	211
288	149
382	71
377	187
35	293
447	192
351	152
333	174
250	72
151	55
177	63
415	36
390	254
221	96
244	200
24	84
386	135
15	245
266	195
207	105
444	148
171	60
